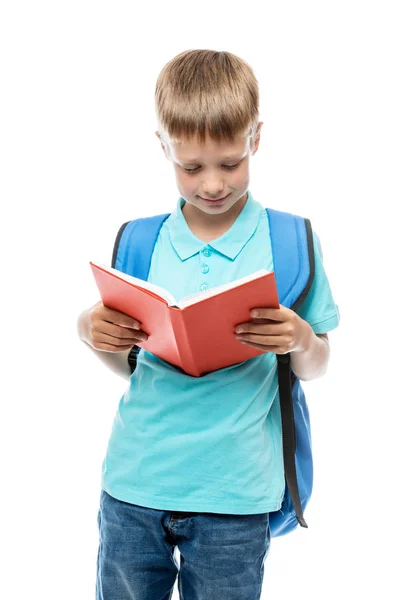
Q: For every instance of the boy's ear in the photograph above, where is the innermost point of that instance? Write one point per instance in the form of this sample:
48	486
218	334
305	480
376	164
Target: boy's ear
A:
163	146
257	137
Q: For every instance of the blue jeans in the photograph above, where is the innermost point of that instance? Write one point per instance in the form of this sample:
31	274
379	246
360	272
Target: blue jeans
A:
221	556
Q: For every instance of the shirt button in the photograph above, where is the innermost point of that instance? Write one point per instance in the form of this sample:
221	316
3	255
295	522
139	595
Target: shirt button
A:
205	268
207	252
204	287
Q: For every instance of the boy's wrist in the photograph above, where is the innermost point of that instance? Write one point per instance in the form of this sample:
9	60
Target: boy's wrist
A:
307	337
311	361
81	327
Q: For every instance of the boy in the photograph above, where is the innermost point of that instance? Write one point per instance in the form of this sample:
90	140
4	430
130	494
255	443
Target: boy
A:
197	463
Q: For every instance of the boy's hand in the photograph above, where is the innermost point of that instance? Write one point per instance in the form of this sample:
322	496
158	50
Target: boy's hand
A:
109	330
278	330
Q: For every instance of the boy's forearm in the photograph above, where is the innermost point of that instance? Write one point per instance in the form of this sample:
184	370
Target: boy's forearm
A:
311	362
116	361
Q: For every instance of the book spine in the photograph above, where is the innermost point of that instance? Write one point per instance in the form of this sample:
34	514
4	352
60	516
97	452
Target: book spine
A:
182	342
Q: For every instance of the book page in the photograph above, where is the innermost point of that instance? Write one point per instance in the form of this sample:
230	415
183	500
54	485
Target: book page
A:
154	289
198	296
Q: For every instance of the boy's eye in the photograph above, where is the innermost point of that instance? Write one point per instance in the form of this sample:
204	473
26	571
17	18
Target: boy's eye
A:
197	168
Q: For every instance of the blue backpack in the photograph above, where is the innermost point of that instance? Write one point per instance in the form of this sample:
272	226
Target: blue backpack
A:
293	255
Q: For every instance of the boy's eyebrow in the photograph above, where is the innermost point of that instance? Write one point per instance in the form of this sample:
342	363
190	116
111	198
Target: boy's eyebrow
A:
222	158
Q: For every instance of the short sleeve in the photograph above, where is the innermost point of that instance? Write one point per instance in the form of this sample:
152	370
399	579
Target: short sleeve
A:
319	308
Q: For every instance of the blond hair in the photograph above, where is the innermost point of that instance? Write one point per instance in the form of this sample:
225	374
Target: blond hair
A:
206	92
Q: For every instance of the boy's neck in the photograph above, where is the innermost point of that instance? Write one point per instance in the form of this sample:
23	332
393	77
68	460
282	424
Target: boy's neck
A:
210	227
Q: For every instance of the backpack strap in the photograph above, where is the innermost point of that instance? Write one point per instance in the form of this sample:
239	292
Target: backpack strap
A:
294	266
132	252
291	236
134	245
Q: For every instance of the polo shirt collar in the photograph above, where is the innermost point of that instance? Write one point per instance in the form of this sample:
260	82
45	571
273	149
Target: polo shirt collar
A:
186	244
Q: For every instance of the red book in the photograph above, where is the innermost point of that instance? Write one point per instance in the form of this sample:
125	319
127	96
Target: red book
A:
196	334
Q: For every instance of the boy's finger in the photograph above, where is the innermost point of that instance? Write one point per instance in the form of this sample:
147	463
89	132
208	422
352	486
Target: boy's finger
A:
131	325
262	327
123	320
268	313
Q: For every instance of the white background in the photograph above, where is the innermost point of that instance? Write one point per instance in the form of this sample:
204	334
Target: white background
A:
79	157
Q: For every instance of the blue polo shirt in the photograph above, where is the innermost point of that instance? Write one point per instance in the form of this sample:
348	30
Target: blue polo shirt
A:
210	443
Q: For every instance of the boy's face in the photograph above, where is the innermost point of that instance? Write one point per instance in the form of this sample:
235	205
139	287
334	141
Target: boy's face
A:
212	171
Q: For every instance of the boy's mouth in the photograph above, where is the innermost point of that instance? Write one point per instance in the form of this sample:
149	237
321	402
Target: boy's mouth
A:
216	201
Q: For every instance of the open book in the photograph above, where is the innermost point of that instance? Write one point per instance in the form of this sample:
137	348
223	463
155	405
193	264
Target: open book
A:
196	333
